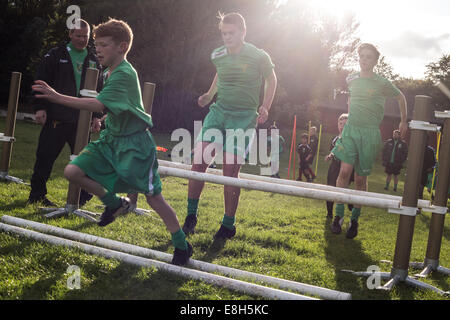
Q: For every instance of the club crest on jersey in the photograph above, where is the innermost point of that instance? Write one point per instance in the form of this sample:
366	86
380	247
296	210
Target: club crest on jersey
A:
79	67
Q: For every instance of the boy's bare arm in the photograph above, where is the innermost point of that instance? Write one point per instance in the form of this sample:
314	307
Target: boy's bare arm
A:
269	94
206	98
48	93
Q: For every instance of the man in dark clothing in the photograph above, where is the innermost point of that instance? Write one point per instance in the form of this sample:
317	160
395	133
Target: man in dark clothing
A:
63	68
395	152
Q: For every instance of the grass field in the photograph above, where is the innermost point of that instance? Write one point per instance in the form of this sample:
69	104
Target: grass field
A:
277	235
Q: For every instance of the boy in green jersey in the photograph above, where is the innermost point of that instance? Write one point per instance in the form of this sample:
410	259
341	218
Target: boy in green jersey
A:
123	159
361	142
241	71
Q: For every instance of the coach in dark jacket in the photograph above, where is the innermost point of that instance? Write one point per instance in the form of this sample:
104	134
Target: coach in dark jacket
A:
63	68
395	152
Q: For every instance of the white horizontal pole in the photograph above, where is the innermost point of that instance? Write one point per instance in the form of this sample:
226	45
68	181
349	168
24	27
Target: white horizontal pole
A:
237	285
421	203
282	189
196	264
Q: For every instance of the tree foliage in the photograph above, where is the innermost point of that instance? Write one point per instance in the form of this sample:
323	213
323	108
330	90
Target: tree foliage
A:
173	40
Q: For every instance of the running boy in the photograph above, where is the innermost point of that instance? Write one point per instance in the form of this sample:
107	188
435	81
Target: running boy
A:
123	159
361	139
242	70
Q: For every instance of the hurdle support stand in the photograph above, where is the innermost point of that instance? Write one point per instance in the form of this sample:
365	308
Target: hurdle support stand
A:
82	138
408	210
8	137
439	208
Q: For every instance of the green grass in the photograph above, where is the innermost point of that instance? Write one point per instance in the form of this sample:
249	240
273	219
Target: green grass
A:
277	235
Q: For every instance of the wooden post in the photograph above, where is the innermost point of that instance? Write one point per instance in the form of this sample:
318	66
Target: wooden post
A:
82	137
13	101
422	112
148	94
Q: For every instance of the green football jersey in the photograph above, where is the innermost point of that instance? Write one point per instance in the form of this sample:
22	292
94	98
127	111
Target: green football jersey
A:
77	57
240	76
367	99
121	96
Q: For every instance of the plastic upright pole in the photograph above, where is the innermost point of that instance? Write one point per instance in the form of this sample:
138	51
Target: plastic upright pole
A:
318	150
292	148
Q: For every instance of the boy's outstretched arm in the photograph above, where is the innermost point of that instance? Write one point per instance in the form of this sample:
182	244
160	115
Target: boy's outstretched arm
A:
403	126
48	93
206	98
269	94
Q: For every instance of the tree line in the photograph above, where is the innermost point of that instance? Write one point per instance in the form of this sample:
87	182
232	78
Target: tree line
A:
173	40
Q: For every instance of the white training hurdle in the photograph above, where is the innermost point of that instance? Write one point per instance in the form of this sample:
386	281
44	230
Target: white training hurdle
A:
421	203
165	257
283	189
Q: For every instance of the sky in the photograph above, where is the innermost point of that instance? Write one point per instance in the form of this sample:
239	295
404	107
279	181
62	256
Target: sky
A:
409	33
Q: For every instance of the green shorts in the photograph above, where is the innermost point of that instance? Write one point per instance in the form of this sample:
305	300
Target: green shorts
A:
233	130
122	164
359	147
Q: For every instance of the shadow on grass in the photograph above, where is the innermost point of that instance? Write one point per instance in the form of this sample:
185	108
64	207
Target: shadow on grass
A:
347	254
14	205
127	282
425	217
213	250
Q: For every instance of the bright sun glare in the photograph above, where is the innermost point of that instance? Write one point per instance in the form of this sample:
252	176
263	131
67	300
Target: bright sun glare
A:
337	8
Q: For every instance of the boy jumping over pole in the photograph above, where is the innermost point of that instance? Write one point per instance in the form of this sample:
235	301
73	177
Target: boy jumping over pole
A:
242	69
361	139
123	159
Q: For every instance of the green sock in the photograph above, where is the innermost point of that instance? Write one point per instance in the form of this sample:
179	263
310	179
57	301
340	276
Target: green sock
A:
192	206
355	213
110	200
395	186
228	222
340	209
179	240
387	185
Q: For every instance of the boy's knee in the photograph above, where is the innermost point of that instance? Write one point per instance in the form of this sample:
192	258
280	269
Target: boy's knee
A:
154	199
360	182
200	167
231	170
345	173
70	171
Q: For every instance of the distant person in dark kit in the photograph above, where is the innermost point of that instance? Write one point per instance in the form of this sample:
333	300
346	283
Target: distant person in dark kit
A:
395	152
